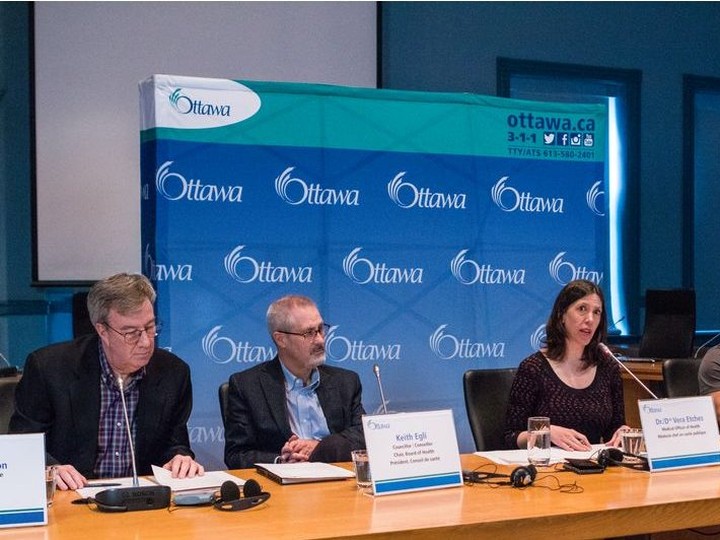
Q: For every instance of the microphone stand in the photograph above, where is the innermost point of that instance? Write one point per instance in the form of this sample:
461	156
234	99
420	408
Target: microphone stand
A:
121	386
8	371
125	499
376	369
604	348
708	342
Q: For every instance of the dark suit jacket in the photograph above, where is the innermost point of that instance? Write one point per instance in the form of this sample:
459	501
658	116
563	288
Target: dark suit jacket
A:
257	424
59	395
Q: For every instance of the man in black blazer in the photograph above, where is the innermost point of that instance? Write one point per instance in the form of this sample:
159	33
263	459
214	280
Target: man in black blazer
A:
71	392
293	408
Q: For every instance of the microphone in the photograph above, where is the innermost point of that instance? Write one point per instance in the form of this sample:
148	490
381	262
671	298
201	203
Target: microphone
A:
613	329
708	342
376	370
136	497
121	386
604	348
8	371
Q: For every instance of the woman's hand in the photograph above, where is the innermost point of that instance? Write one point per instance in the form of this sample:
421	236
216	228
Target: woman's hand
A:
568	439
616	440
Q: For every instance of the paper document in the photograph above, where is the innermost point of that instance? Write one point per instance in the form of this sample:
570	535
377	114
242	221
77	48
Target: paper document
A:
211	479
110	483
298	473
557	455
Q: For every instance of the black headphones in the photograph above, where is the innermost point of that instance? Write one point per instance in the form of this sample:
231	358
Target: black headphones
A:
610	456
523	476
615	456
520	477
230	499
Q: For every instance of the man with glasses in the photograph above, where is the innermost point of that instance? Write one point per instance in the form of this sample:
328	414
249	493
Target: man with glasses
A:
71	392
293	408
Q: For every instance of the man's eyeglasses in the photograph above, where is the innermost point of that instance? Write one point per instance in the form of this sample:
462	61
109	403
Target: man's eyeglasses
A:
131	337
310	334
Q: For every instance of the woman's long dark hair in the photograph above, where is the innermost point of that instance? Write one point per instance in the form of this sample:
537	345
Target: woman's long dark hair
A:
555	330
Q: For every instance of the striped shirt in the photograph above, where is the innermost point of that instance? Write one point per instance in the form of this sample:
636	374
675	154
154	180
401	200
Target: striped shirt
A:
113	454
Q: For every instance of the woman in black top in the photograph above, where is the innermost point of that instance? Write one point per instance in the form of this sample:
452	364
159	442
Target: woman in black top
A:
570	380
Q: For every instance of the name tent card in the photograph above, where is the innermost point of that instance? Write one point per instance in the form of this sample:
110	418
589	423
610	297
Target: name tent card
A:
22	480
412	451
680	432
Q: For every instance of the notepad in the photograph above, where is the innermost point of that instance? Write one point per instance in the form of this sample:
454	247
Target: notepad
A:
209	480
300	473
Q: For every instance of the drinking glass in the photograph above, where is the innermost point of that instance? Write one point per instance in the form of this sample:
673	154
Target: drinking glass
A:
538	440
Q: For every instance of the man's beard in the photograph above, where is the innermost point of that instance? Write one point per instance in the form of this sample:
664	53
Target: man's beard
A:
317	357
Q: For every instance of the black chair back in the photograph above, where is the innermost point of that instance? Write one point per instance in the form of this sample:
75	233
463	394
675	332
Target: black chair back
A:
486	398
680	377
669	324
223	397
7	400
80	315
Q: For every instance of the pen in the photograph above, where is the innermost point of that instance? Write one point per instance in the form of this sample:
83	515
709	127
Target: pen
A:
104	484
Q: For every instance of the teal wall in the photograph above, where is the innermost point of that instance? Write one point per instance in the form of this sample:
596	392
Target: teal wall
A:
29	317
449	46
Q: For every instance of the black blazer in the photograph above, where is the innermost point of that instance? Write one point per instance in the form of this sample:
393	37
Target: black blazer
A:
59	395
257	421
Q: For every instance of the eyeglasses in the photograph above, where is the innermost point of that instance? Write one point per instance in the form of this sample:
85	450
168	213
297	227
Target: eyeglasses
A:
310	334
133	336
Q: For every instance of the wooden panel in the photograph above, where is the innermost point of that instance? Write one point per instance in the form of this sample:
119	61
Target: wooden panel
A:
649	373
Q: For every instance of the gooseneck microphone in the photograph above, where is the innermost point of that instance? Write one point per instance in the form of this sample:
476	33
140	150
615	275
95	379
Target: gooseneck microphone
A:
604	348
376	370
613	326
136	497
708	342
121	386
9	370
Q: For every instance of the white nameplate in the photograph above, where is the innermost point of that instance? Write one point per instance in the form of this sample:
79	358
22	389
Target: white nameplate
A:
22	480
680	432
412	451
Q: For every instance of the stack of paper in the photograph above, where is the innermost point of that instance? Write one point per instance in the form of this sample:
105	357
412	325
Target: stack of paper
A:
300	473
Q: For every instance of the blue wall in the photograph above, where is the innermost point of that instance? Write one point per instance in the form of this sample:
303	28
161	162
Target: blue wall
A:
425	46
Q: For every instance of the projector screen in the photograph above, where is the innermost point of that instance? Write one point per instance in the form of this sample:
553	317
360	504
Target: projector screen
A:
89	58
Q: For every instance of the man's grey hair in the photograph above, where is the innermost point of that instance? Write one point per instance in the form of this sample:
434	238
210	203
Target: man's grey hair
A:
279	314
124	293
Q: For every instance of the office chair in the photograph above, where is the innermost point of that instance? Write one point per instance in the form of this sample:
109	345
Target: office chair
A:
80	315
486	398
7	401
680	377
223	398
669	324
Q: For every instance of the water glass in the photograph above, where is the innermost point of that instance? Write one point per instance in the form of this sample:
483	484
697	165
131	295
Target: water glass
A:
633	442
538	440
361	463
50	483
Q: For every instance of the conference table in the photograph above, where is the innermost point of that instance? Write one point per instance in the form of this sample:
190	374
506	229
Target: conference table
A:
618	502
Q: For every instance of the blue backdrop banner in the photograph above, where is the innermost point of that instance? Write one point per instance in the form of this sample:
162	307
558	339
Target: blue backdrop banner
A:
433	230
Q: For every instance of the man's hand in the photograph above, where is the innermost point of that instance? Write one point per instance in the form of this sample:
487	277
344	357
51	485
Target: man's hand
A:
69	478
296	450
184	467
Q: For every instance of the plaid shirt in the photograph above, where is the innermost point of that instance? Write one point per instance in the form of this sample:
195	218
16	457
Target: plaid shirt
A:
113	455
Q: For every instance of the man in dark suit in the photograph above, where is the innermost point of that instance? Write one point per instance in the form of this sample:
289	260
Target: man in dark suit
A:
293	408
72	392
